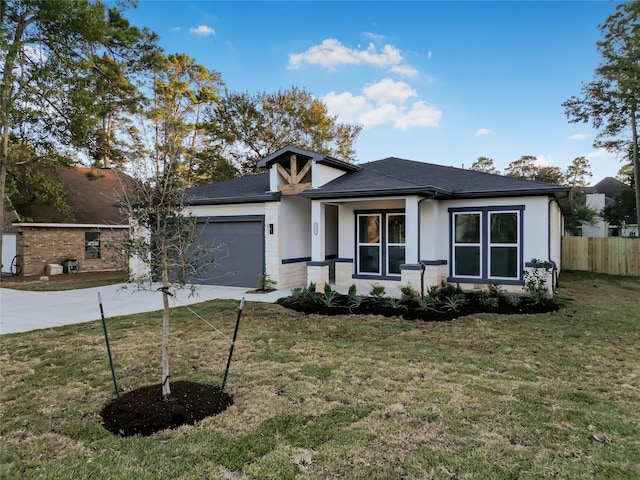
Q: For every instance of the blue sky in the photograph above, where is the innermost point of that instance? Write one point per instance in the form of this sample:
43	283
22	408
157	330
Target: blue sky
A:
440	82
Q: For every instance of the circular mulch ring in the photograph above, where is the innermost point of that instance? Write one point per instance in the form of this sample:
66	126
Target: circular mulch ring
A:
144	412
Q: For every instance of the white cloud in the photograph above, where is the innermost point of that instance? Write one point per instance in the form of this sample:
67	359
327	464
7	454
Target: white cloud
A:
347	106
389	91
420	115
203	31
404	70
544	160
176	29
578	136
484	131
380	115
384	102
374	37
600	153
331	54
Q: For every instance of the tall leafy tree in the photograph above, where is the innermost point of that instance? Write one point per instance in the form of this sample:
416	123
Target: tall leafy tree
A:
611	100
524	167
575	176
549	174
484	164
249	127
33	182
47	51
182	91
577	173
622	210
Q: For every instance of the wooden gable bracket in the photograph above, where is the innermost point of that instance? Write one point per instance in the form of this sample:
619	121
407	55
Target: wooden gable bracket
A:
293	177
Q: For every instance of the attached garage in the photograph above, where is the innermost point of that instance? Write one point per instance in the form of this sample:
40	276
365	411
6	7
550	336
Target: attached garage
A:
240	252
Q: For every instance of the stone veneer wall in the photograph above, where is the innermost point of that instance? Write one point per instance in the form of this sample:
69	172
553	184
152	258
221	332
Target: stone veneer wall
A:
40	246
293	275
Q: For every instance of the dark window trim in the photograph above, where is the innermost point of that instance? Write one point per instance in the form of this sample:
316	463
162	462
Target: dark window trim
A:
383	242
97	250
484	212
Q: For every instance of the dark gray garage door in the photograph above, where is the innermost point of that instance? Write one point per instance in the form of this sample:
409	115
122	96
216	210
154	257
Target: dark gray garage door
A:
241	256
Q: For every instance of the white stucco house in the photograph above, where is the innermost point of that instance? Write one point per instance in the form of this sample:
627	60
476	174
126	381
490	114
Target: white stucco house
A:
598	197
313	218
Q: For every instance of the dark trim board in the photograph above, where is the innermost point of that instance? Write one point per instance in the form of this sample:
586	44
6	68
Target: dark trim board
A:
286	261
433	263
395	278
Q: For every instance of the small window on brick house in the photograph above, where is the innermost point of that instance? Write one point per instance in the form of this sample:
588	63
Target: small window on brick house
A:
92	245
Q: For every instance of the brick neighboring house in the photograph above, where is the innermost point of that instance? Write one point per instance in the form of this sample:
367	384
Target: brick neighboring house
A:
91	236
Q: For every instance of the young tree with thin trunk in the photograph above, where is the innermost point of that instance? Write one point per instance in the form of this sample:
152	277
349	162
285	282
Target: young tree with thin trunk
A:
165	235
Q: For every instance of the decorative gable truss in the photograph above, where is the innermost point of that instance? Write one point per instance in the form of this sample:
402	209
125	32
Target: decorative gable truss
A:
295	177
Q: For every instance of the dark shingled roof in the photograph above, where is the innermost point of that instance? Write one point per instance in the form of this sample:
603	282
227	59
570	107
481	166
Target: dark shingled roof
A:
609	186
390	176
254	188
92	194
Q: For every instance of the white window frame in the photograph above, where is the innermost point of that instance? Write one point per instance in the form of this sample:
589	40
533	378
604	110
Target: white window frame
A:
509	245
389	244
368	244
466	244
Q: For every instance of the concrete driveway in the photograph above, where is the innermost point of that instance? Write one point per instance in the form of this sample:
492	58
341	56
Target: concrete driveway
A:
22	311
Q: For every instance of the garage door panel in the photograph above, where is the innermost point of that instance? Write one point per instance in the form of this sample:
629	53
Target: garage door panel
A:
239	255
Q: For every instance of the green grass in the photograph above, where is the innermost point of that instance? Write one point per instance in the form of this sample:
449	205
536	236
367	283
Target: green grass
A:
485	396
65	282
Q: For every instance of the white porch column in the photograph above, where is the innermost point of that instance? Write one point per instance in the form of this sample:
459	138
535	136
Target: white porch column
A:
411	230
317	231
318	268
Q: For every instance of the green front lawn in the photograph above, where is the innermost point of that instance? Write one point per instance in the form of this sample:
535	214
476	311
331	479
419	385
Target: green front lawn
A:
485	396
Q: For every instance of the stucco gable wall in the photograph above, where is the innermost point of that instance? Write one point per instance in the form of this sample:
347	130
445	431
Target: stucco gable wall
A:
323	174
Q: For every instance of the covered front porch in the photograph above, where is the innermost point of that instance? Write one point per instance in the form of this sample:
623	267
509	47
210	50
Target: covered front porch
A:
388	240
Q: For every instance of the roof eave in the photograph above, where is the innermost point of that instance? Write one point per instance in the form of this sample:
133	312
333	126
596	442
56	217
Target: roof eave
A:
424	191
267	197
322	159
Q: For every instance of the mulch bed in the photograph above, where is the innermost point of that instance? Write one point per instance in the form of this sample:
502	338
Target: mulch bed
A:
144	412
410	310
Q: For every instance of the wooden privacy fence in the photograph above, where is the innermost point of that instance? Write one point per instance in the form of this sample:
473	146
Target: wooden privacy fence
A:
611	255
